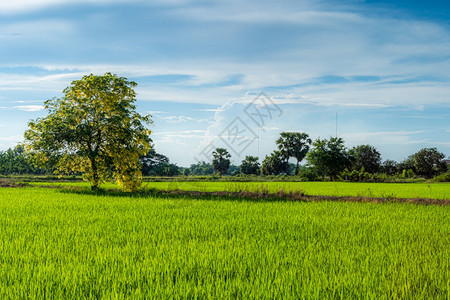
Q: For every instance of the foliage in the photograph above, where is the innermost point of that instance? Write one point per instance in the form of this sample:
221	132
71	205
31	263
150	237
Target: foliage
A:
329	157
273	164
407	164
250	165
17	161
428	162
308	174
233	170
445	177
356	176
367	157
408	173
221	161
293	144
155	164
201	168
152	162
389	167
94	129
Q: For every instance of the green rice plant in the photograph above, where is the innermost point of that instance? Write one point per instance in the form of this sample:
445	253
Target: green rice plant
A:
380	190
74	243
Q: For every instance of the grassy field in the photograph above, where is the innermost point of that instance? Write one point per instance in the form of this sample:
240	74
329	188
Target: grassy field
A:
393	190
56	243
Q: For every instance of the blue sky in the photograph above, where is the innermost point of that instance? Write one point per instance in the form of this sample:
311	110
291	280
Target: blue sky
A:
381	67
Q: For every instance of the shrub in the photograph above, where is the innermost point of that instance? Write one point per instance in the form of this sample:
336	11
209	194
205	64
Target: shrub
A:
408	173
442	178
356	176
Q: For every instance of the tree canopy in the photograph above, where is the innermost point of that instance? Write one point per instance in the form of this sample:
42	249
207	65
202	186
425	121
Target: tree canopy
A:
94	129
221	161
367	157
428	162
293	144
330	157
156	164
17	161
250	165
273	164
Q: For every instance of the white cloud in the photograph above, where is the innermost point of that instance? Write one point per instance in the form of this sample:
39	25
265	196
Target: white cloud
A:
208	109
9	7
29	107
156	112
10	141
19	6
183	119
398	138
26	33
182	133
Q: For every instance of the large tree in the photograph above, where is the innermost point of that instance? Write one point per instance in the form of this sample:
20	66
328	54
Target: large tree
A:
329	157
293	144
407	164
17	161
273	164
94	129
429	162
367	157
250	165
389	167
221	161
201	168
155	164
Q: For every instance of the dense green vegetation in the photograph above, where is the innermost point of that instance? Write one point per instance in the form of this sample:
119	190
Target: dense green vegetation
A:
82	244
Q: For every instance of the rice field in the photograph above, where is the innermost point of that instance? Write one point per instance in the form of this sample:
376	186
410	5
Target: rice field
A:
383	190
58	243
392	190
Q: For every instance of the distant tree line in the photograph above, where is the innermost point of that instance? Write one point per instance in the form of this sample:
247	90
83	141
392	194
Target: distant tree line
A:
95	131
326	159
18	162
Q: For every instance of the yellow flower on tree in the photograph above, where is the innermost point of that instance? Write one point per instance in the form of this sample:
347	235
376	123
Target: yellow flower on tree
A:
94	129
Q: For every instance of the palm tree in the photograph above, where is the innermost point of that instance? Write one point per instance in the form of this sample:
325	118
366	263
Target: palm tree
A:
293	144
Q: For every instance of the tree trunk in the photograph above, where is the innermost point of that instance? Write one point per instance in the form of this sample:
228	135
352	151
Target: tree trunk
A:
287	166
95	178
296	168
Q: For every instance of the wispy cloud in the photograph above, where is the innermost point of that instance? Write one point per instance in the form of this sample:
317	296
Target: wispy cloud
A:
10	141
183	119
14	7
208	109
29	107
182	133
312	57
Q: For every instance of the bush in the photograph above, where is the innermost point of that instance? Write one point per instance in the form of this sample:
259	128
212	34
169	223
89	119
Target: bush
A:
308	174
356	176
408	173
442	178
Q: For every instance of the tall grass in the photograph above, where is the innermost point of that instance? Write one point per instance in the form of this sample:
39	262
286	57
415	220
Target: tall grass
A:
72	245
